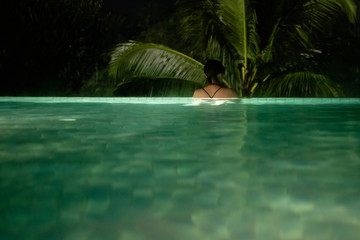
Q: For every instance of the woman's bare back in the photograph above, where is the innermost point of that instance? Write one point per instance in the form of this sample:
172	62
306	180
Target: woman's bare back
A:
214	91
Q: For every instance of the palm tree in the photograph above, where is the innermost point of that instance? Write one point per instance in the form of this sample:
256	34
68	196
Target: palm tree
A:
227	30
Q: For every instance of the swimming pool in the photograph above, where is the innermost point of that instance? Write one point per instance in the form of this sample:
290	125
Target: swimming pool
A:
177	168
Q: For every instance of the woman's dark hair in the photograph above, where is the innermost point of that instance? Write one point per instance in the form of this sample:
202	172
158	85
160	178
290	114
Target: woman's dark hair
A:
211	69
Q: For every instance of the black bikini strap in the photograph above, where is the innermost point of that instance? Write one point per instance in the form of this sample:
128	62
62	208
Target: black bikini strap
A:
216	92
206	92
213	94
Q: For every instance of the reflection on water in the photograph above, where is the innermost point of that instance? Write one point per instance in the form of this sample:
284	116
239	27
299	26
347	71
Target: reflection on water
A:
179	171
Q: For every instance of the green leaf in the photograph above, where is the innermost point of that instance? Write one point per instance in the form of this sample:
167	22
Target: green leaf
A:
319	13
232	14
253	38
301	84
348	7
153	61
268	52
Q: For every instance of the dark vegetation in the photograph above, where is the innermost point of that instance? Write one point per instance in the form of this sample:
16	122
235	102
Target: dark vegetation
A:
62	48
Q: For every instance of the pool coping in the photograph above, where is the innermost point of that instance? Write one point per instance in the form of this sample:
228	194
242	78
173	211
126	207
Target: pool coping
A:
179	100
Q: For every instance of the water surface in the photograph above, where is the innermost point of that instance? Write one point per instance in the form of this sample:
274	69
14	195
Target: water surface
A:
139	169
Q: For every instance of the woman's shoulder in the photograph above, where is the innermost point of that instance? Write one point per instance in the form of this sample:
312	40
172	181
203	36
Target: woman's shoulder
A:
230	93
199	93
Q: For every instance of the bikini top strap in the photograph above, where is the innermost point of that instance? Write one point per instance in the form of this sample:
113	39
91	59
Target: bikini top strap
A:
209	94
216	92
206	92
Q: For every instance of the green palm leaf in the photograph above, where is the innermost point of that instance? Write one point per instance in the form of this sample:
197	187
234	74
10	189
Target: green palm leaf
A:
240	32
329	8
349	8
307	18
201	27
301	84
232	14
135	60
268	52
253	38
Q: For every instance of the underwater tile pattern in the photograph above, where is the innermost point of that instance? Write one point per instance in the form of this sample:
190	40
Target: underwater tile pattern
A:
160	169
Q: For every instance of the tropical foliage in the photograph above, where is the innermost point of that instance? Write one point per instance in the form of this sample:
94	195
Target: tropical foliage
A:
147	60
278	63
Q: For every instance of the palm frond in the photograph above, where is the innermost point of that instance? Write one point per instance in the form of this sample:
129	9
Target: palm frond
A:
348	7
253	38
303	37
303	20
268	52
301	84
153	61
317	14
232	14
214	50
199	24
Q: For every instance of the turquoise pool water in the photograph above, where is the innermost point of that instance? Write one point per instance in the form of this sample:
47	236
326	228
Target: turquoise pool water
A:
179	169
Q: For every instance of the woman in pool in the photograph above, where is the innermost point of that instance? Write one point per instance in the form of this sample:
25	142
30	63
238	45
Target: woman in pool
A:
214	71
